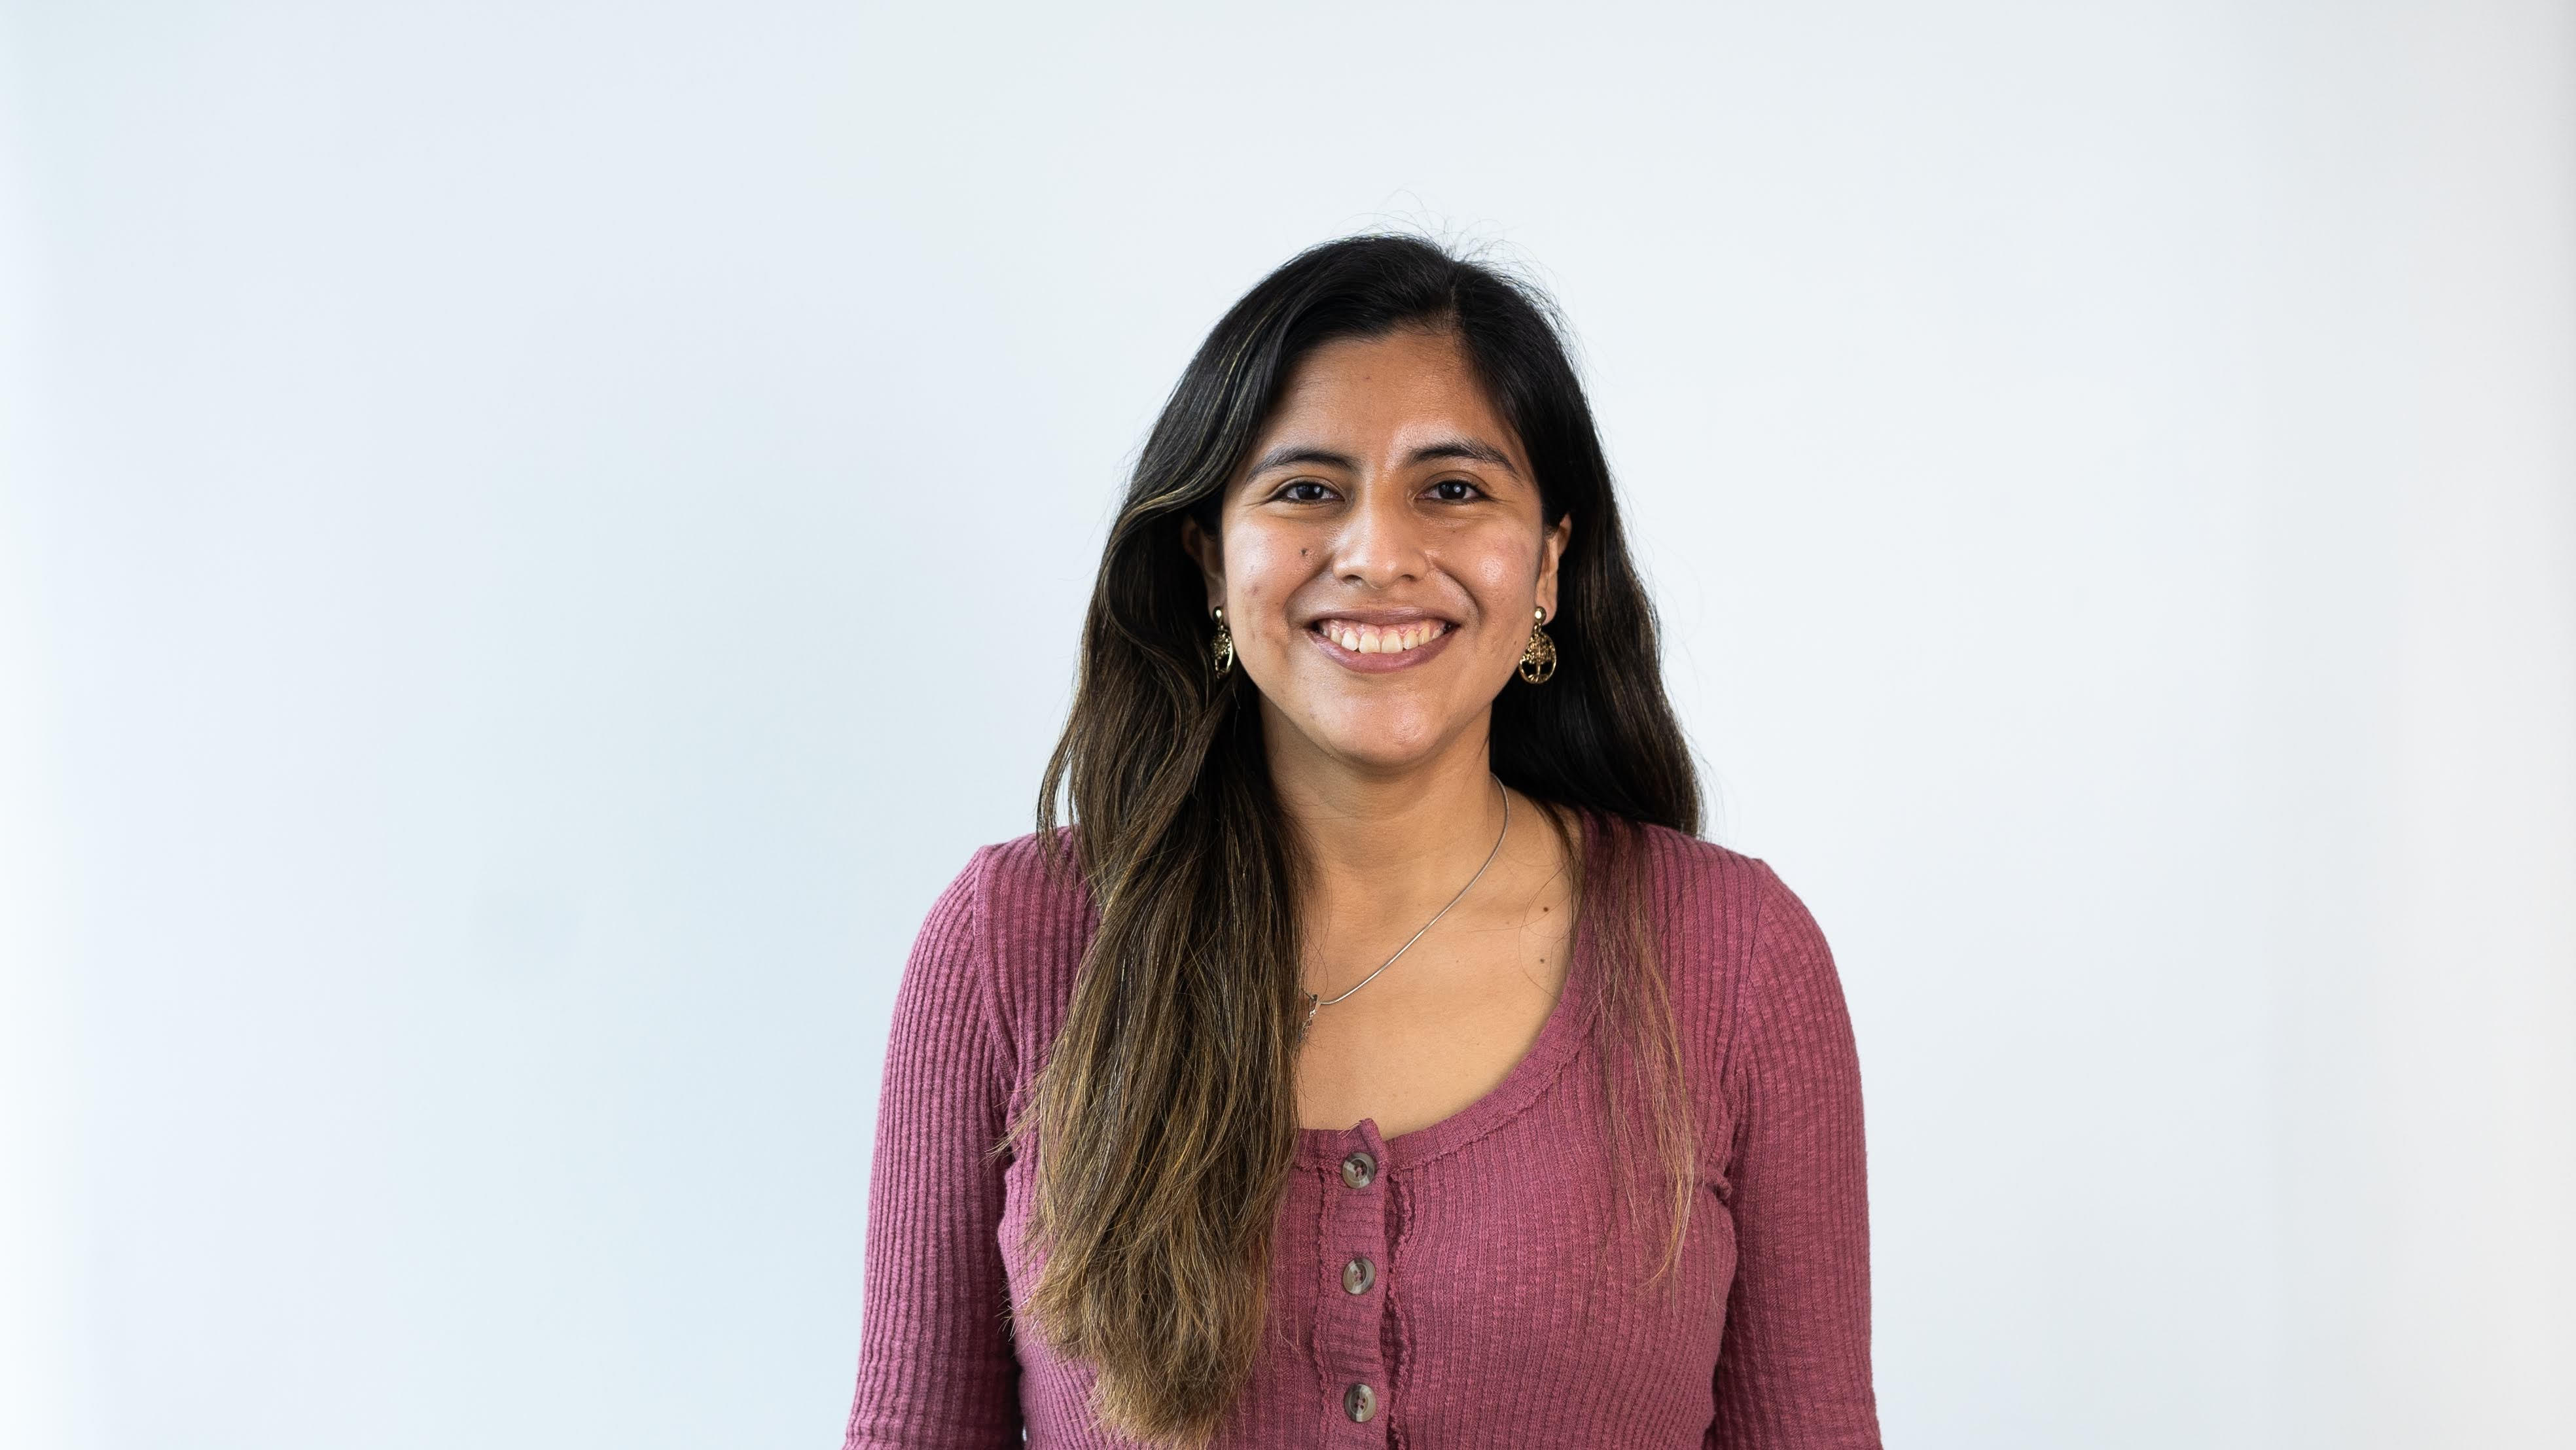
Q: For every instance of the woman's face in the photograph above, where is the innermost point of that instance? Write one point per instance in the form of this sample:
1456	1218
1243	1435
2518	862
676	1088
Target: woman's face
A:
1381	553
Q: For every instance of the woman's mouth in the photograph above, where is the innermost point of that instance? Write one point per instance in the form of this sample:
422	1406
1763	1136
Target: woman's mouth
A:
1375	647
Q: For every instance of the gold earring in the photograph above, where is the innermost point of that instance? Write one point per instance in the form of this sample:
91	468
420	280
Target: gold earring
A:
1538	660
1224	647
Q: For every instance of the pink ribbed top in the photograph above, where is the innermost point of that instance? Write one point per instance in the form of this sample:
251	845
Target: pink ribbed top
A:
1483	1319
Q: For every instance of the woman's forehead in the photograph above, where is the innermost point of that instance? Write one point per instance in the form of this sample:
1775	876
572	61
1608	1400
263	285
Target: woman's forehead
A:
1408	396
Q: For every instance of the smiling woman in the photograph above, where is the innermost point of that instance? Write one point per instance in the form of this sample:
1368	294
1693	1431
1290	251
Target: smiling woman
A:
1378	1057
1384	467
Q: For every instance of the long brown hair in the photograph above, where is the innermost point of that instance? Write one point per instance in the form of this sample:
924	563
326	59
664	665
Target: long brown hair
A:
1164	1119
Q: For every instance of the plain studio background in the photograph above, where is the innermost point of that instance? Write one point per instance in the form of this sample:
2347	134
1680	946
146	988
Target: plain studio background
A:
534	539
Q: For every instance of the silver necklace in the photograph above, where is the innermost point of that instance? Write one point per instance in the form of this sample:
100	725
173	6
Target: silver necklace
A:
1313	1002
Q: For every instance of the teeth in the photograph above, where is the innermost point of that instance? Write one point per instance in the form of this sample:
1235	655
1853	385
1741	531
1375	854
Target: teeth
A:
1370	639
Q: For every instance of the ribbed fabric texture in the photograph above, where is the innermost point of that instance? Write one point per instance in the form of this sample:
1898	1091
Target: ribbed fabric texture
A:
1490	1319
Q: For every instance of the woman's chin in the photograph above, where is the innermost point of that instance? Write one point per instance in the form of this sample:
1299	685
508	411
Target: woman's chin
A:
1380	737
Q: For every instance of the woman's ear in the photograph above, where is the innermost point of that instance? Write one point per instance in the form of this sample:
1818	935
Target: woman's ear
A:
1210	555
1551	547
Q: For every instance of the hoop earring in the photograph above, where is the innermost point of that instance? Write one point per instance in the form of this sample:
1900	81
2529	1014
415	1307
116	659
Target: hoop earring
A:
1223	648
1538	659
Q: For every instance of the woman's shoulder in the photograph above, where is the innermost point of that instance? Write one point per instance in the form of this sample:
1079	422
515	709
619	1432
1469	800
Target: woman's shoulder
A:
1032	917
1703	886
1728	916
1029	881
1702	859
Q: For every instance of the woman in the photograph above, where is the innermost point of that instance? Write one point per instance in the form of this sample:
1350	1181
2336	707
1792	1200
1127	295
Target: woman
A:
1378	1058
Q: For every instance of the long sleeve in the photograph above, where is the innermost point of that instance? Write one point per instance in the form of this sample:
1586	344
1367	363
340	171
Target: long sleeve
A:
1794	1367
936	1362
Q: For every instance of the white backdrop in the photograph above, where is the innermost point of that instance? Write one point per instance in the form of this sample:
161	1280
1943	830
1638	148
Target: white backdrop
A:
534	538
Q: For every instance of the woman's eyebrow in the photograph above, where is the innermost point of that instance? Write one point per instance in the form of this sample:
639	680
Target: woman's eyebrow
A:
1289	454
1470	448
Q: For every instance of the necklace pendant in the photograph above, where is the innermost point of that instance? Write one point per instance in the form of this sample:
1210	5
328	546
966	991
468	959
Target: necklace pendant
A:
1313	1001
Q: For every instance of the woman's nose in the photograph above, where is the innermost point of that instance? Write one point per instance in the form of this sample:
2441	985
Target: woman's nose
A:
1381	541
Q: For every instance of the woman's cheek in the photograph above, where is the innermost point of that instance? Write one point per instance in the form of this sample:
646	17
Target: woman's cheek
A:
1502	574
1252	553
1254	581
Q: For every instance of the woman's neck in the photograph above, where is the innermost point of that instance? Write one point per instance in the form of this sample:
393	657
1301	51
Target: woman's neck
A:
1392	844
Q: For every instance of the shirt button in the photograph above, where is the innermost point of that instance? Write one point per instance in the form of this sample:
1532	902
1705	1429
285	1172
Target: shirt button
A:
1358	1274
1357	1171
1359	1402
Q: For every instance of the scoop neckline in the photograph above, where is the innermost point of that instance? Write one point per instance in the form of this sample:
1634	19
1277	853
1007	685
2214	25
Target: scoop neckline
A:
1558	1036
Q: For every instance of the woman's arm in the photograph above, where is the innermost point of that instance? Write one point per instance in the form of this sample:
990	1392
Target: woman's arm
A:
936	1366
1794	1370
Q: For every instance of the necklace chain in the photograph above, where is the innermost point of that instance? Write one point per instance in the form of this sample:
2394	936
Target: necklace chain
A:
1314	1002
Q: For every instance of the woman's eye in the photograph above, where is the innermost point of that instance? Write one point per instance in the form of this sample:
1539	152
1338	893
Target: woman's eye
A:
1298	492
1463	490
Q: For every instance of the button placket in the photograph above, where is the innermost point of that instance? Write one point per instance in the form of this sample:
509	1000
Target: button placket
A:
1351	1307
